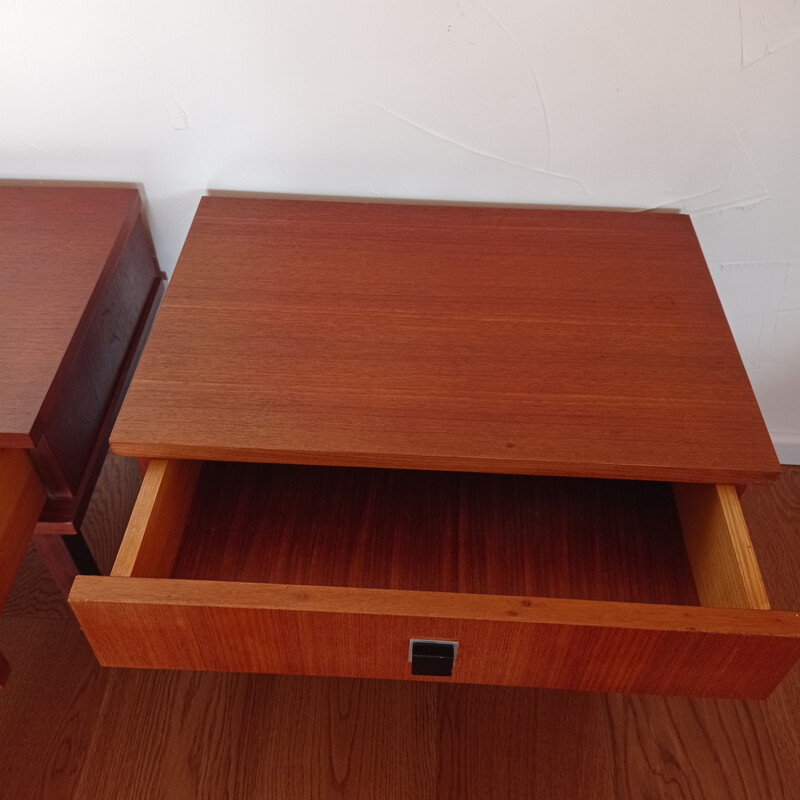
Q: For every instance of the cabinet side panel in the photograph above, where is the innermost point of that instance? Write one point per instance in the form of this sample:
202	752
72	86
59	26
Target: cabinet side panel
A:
88	386
5	670
21	501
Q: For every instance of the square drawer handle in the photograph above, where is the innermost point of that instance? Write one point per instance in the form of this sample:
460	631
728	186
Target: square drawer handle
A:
432	657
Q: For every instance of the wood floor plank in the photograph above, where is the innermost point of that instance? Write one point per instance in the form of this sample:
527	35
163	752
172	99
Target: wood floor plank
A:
684	749
518	744
350	739
182	736
192	735
34	592
47	708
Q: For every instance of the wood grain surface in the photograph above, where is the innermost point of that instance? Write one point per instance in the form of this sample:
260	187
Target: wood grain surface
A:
53	553
67	239
724	565
49	707
352	563
434	531
773	515
699	749
110	509
21	501
165	735
507	641
483	339
312	738
153	535
86	388
34	593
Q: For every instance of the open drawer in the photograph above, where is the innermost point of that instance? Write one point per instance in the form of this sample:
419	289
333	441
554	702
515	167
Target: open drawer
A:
603	585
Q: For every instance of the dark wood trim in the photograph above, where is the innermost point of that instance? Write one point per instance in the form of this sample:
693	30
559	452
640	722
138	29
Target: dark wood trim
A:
123	236
72	508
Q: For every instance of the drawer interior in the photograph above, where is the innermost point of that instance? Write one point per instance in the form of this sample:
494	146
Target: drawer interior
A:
470	533
436	531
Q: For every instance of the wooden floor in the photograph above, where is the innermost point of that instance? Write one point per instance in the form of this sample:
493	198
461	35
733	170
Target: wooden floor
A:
70	729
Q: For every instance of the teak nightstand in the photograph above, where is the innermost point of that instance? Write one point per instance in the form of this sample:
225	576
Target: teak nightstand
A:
79	286
377	432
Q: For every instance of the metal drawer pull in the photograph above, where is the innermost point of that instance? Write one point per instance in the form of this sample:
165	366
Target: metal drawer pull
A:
428	657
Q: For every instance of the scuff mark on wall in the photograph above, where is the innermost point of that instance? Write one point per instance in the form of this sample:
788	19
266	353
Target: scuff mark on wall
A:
752	295
471	82
461	115
742	187
532	71
767	26
769	318
20	37
177	114
790	298
477	151
34	146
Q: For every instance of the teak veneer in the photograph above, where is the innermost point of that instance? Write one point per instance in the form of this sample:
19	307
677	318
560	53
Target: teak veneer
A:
516	430
586	344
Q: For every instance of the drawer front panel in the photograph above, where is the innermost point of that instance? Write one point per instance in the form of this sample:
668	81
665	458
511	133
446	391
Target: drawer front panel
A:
554	643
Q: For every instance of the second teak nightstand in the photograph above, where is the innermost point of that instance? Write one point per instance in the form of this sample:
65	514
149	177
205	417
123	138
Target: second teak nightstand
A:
79	286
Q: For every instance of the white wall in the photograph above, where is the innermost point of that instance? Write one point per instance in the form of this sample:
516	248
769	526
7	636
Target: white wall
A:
640	104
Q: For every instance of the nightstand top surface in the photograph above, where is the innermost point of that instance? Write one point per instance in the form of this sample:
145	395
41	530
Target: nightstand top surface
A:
54	245
555	342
